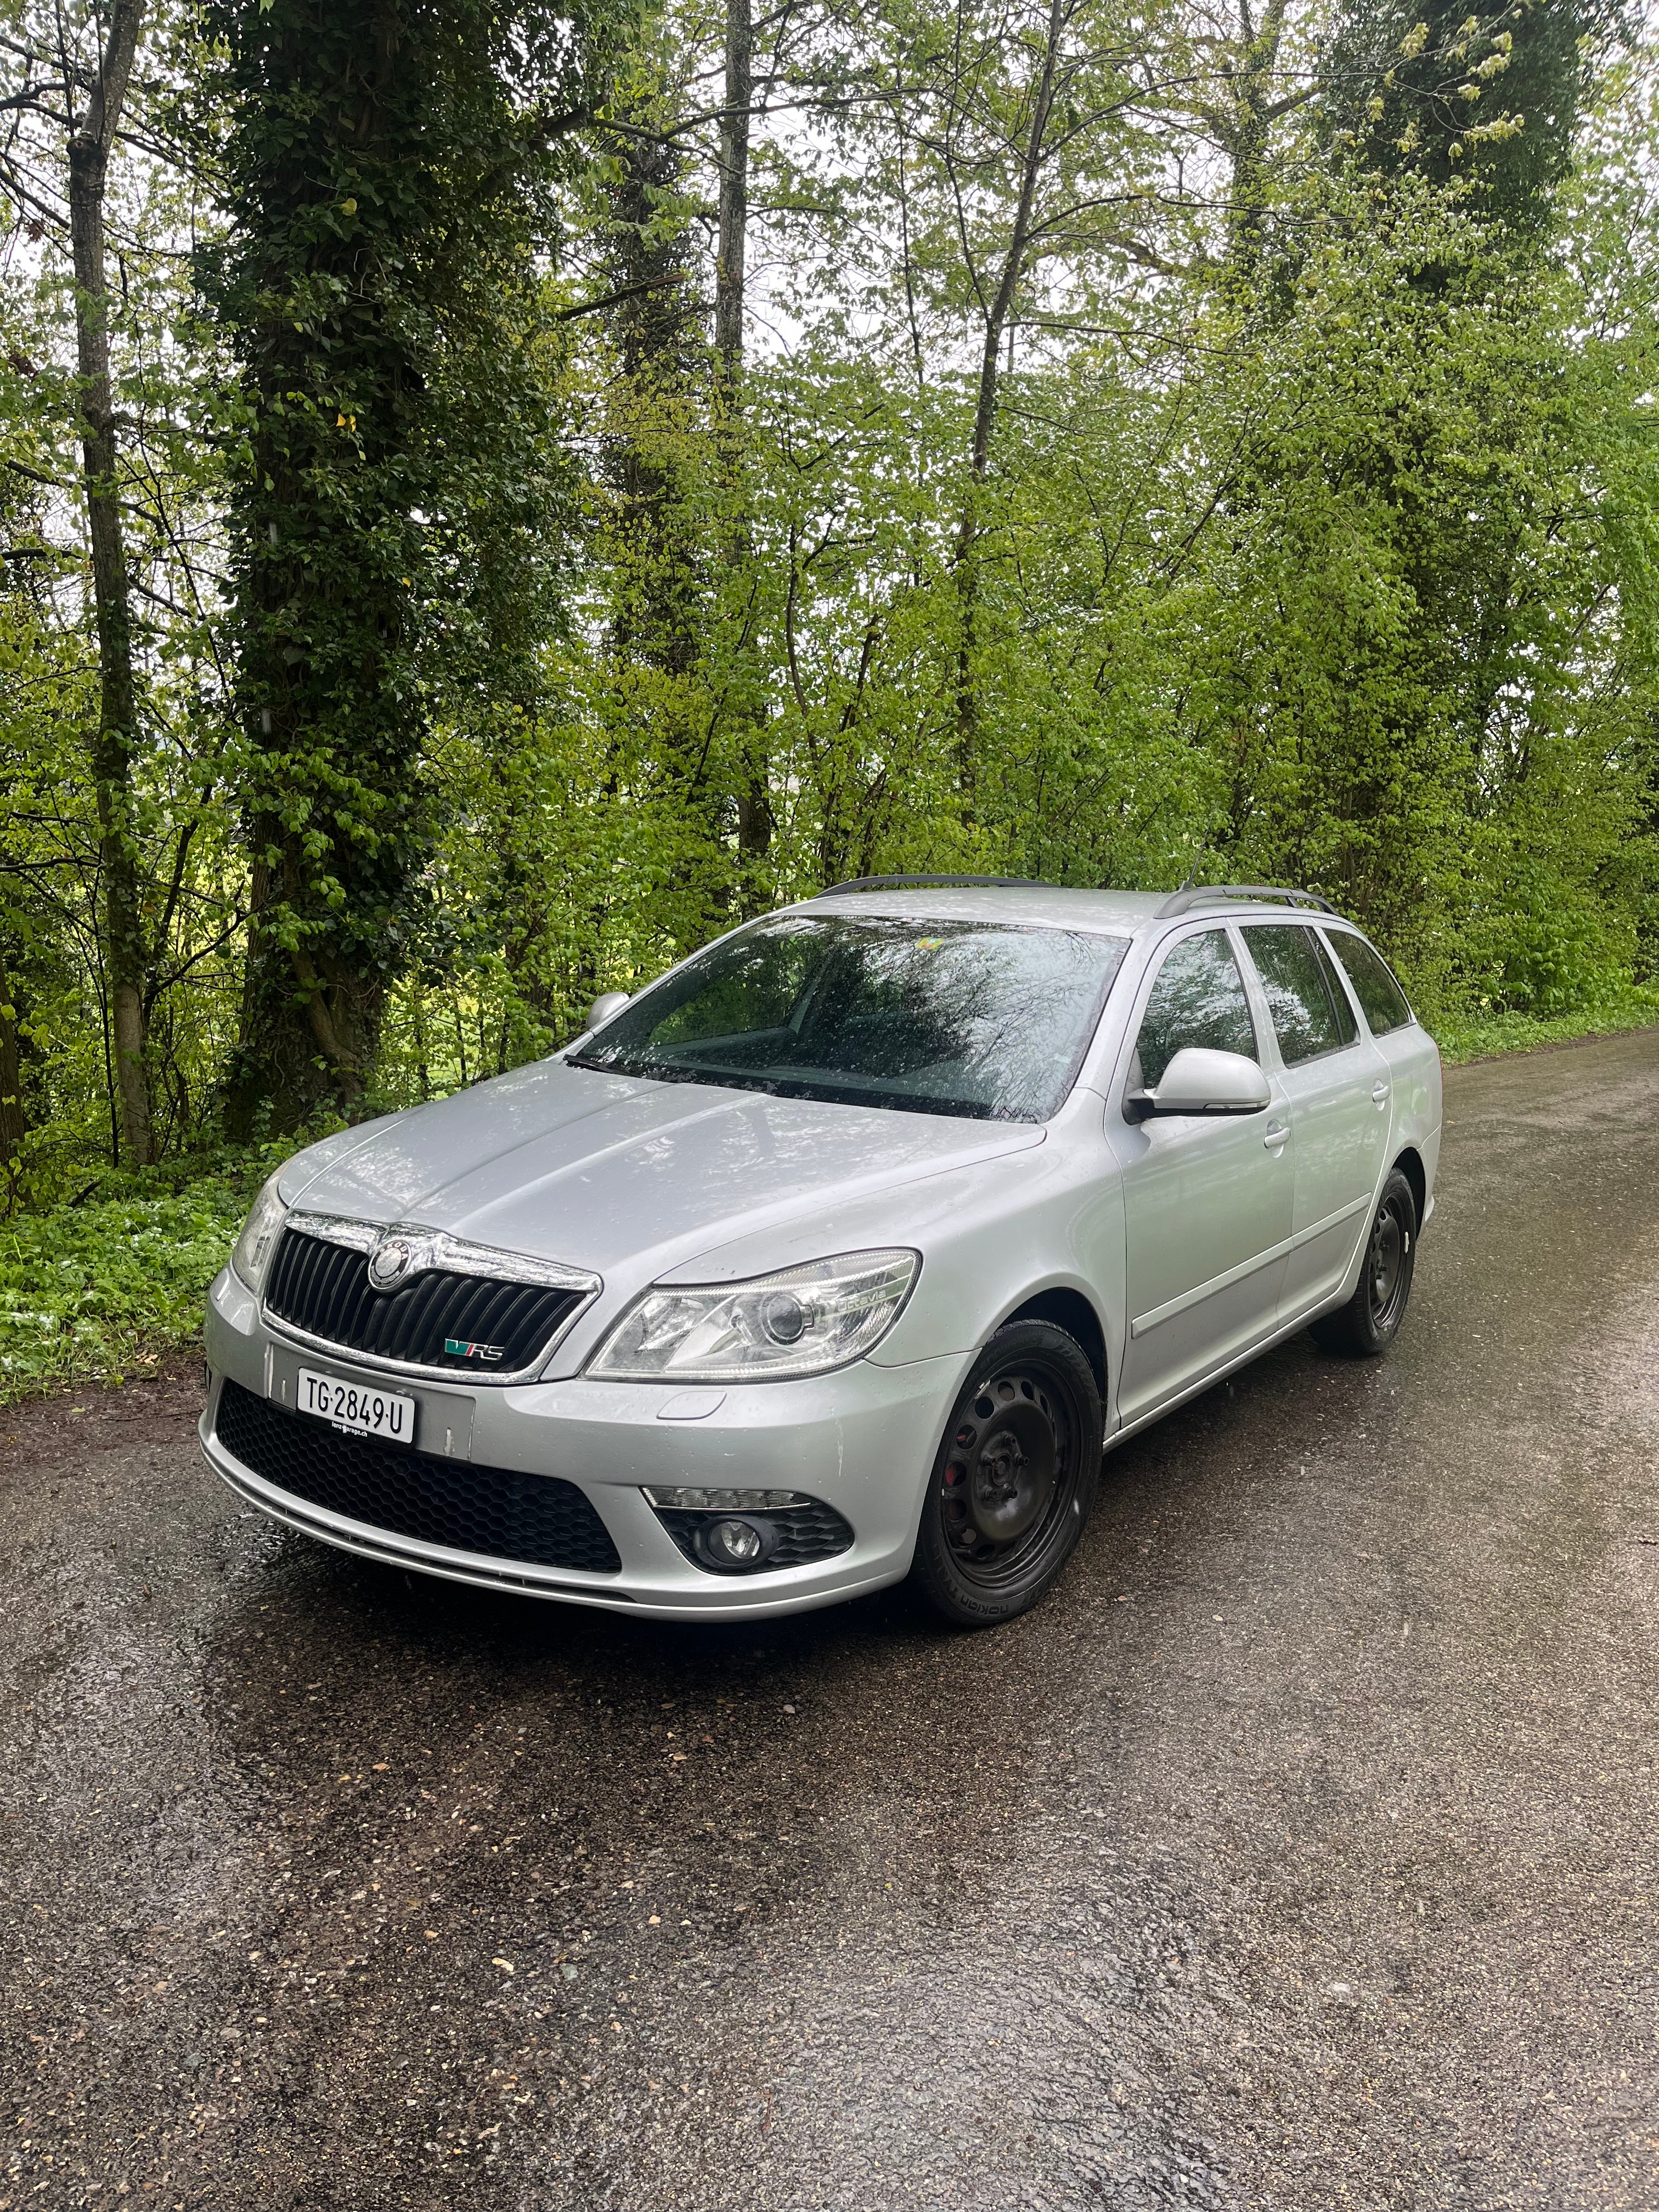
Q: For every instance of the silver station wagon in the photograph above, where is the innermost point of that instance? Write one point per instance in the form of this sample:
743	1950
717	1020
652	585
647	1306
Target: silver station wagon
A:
838	1255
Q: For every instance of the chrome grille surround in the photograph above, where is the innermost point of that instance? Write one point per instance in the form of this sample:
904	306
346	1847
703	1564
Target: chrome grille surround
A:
434	1251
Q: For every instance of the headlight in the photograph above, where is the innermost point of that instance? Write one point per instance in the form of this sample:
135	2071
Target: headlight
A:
803	1321
259	1238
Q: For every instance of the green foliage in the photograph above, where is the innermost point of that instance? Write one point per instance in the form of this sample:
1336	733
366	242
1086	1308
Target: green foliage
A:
1488	100
1429	636
1481	1036
99	1285
1301	523
96	1292
53	945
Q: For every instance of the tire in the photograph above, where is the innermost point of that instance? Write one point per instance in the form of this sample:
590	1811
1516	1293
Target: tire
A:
1014	1479
1371	1321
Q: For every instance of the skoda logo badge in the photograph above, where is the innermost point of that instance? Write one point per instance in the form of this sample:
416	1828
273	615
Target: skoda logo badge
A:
389	1262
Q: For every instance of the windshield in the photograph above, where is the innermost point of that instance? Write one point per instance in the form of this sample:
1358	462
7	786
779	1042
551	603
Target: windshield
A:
962	1018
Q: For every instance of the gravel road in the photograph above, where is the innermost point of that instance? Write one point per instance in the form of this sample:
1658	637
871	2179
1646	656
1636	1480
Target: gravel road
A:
1298	1853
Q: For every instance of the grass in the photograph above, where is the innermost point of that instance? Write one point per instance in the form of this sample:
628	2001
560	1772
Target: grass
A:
1464	1037
105	1287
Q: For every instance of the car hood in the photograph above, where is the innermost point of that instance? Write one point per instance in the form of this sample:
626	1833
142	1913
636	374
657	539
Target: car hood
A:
592	1169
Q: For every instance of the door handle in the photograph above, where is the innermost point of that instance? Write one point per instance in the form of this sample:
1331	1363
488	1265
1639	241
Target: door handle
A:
1379	1094
1274	1136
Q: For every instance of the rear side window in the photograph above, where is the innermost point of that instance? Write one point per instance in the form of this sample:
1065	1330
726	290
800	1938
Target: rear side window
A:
1198	999
1381	998
1302	990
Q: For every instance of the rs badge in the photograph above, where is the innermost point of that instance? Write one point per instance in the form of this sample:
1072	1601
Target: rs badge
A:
457	1350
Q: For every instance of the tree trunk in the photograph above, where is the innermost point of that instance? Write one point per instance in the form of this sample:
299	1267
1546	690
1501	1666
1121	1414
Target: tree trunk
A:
310	1022
657	559
753	799
377	165
985	412
657	617
13	1127
1254	110
113	745
323	549
733	242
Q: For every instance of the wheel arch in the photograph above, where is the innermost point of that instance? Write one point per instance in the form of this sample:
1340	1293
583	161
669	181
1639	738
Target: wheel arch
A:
1410	1164
1071	1310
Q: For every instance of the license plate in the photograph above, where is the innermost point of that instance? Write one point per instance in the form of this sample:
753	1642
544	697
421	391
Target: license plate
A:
358	1407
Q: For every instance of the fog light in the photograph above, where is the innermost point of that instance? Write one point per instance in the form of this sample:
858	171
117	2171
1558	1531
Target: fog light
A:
734	1543
749	1532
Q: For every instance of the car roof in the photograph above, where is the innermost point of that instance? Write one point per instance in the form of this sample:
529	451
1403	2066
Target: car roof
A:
1052	905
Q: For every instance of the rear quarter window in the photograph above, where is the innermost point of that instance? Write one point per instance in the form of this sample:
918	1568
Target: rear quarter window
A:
1380	999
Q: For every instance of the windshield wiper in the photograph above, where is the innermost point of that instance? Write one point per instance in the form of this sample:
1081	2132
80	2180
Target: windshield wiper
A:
820	1093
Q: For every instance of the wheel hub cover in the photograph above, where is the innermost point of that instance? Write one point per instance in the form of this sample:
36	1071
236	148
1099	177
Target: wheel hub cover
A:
1012	1474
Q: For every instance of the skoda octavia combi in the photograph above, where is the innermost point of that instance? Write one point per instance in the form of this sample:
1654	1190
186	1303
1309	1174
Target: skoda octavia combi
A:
839	1254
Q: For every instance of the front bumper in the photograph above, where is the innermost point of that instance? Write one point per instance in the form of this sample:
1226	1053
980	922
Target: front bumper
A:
861	1440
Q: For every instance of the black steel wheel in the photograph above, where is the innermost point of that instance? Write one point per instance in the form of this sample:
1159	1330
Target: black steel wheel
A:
1370	1320
1014	1479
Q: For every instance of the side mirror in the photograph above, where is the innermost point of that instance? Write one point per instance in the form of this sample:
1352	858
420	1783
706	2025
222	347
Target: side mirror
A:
1200	1081
607	1004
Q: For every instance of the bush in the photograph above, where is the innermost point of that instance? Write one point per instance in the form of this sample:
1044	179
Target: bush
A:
1561	957
1464	1036
96	1292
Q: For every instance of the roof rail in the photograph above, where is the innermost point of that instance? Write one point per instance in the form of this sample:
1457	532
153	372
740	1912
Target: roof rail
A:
898	882
1192	895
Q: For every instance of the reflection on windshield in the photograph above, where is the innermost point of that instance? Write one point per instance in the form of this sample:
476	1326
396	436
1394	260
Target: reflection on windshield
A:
934	1017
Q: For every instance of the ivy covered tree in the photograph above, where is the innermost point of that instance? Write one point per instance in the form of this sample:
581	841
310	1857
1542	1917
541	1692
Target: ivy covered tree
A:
1490	98
393	507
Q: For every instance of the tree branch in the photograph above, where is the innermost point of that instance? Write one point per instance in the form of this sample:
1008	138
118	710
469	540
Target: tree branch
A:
615	299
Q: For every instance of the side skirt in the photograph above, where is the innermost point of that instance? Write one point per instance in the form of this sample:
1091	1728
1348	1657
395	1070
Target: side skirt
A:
1281	1330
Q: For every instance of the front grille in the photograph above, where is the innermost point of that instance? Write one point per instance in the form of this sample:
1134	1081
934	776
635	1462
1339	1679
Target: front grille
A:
537	1519
805	1533
324	1290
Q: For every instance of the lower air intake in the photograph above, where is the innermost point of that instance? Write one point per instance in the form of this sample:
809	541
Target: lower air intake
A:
537	1519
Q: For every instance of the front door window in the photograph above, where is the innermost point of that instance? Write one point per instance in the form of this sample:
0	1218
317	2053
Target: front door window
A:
1198	999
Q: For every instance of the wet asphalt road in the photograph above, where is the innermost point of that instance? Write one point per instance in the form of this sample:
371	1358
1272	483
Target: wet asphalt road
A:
1300	1852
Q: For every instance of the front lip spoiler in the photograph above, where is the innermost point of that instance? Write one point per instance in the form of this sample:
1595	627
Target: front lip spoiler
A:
380	1544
